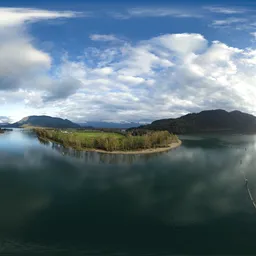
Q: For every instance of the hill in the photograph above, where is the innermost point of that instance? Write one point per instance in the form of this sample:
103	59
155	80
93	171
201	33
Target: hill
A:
207	121
99	124
44	121
4	124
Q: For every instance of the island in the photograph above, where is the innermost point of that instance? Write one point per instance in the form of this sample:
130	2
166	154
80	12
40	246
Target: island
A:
118	142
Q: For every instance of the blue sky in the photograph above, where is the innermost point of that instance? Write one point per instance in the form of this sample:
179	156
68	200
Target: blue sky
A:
126	60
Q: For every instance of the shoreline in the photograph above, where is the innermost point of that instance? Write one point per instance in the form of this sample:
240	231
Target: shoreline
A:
132	152
143	151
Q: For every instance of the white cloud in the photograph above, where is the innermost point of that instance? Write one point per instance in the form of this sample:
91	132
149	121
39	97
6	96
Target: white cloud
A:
182	43
103	71
4	119
141	60
225	10
18	57
22	65
118	15
228	21
199	75
17	16
104	38
162	12
164	76
150	12
130	79
253	34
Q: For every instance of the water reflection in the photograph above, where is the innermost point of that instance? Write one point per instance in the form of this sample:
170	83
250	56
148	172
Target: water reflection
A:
44	142
102	158
193	195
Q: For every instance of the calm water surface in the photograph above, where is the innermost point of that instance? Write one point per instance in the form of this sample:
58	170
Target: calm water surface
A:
192	200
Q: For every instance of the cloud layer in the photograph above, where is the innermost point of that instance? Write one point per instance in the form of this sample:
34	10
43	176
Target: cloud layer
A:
163	76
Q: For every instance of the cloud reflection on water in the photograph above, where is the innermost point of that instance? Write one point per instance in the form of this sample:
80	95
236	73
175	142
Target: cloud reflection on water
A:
191	187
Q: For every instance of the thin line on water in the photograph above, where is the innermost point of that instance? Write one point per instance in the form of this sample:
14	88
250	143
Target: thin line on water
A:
248	190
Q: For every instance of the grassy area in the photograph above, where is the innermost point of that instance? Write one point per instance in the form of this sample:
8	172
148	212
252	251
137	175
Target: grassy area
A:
95	134
108	141
86	138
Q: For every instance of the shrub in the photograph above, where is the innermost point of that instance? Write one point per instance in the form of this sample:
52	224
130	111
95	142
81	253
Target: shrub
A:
142	140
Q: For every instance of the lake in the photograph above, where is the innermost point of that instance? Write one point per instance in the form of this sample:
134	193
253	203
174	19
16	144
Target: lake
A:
191	200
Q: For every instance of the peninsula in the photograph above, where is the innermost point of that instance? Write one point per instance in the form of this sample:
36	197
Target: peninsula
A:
142	142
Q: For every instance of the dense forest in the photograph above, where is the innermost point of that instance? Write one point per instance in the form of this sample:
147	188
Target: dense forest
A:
126	142
207	122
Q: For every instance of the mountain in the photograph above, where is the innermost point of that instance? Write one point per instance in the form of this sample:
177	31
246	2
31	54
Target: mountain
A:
44	121
4	124
98	124
207	121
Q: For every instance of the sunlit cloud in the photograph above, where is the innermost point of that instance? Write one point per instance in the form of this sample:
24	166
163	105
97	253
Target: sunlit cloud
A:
225	10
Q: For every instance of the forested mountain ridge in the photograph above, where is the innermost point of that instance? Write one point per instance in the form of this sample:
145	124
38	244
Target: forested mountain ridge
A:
115	125
44	121
207	121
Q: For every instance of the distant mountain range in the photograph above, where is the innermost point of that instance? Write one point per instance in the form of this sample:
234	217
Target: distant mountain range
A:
207	121
4	124
44	121
55	122
109	125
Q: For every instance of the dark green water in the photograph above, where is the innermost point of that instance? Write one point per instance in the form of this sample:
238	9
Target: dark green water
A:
192	200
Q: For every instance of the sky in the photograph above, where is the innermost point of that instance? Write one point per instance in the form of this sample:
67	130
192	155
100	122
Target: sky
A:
126	61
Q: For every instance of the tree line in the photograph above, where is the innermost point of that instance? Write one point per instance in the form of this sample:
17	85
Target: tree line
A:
151	139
